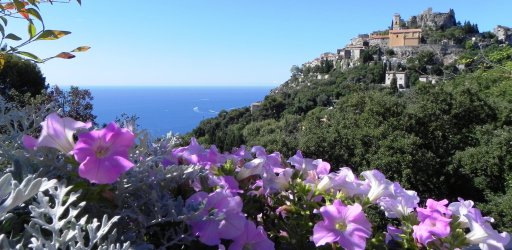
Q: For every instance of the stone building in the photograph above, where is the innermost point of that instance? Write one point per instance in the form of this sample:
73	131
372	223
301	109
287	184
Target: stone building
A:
403	37
429	78
401	79
353	52
255	106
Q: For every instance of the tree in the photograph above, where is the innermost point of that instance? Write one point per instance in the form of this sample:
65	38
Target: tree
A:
394	85
21	76
74	103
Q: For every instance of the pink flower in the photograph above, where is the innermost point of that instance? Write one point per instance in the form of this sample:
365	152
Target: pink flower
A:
346	225
56	133
103	154
252	237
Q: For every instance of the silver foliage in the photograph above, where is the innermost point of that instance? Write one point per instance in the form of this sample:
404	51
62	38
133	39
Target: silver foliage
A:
55	213
13	194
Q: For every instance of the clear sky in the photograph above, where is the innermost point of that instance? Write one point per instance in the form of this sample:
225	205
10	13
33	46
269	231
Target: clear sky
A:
220	42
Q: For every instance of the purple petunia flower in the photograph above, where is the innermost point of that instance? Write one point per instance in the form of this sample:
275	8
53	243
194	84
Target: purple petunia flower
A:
393	234
313	170
195	154
431	227
103	154
56	133
252	237
346	225
219	216
262	165
434	222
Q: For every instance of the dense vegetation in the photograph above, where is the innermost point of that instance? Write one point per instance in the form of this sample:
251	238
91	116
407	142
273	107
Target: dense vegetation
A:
446	140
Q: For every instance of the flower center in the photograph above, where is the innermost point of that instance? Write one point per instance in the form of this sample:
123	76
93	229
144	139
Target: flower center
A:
341	226
102	151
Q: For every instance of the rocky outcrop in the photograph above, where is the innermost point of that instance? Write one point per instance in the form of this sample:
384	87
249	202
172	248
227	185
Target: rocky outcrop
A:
503	33
429	19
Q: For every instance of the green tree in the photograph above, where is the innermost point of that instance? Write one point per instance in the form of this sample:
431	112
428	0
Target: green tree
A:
21	76
75	103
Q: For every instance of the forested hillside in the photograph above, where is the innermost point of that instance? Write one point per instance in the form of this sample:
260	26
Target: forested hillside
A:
449	139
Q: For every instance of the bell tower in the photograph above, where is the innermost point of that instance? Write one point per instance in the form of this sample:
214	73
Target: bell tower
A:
396	21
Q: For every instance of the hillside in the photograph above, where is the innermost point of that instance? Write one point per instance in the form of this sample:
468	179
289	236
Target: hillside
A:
434	113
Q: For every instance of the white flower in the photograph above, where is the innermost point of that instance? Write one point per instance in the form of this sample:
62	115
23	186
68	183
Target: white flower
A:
379	185
483	234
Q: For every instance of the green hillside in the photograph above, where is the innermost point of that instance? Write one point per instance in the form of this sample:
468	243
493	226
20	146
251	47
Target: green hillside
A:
449	139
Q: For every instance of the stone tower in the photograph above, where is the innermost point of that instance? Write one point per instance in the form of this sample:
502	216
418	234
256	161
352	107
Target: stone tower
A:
396	22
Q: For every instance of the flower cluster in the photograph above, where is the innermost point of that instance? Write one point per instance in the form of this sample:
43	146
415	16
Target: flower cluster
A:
335	202
249	199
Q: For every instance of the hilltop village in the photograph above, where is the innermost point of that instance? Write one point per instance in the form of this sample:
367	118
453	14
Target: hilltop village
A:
434	36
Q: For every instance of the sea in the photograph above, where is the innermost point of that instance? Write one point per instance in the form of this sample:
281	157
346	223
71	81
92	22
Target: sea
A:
173	109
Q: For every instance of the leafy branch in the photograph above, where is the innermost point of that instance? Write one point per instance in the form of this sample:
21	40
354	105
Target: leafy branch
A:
29	11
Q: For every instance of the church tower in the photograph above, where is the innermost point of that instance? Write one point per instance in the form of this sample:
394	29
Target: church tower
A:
396	22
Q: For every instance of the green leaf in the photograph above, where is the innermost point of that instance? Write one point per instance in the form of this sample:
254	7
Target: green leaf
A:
31	29
29	55
2	30
34	13
65	55
13	37
81	49
4	20
19	5
52	34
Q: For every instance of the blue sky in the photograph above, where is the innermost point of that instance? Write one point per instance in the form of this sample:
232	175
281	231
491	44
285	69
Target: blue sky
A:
221	42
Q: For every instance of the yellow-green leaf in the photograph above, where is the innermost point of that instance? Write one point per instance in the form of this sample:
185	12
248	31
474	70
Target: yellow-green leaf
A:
52	34
29	55
81	49
31	29
13	37
65	55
